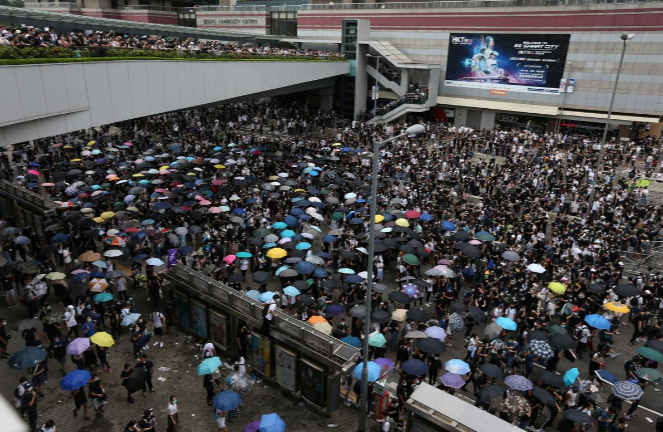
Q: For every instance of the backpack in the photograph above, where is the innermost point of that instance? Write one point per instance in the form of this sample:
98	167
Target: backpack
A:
265	309
627	365
577	332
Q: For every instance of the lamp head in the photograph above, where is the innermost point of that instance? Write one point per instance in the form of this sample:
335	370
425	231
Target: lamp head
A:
415	129
627	37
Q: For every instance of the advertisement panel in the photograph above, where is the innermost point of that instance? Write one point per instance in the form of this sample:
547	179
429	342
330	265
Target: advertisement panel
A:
218	329
198	319
312	382
286	368
261	354
531	63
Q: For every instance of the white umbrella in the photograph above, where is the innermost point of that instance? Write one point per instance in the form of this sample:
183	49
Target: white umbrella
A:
113	253
536	268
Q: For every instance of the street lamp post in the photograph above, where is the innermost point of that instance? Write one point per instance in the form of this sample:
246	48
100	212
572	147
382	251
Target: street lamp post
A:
558	123
625	39
414	129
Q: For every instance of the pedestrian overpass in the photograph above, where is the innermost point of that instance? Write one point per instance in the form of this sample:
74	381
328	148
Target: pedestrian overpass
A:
42	100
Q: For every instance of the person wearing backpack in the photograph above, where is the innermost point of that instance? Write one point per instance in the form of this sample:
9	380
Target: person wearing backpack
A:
582	334
268	314
629	368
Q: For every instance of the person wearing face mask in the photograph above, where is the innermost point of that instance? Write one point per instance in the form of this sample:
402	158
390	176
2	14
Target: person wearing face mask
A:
58	351
173	418
4	339
148	422
88	327
98	394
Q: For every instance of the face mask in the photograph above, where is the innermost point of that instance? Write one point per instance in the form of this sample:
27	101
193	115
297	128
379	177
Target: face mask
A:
175	402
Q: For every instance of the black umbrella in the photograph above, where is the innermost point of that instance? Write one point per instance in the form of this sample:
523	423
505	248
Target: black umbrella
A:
78	290
492	370
417	315
26	324
538	335
626	290
136	380
459	306
400	297
431	346
562	342
300	285
544	396
330	284
306	299
357	311
28	268
380	316
655	344
260	277
460	236
478	314
491	392
596	288
577	416
236	278
348	254
551	379
471	251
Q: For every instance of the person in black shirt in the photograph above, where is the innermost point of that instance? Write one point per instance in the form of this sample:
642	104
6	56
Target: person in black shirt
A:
80	399
434	366
4	339
149	371
123	376
208	385
98	394
29	404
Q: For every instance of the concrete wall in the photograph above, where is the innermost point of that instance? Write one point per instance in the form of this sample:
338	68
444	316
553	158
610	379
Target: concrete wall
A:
244	21
43	100
594	50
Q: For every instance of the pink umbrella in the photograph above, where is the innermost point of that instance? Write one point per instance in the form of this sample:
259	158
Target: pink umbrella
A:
444	262
215	210
217	182
412	214
164	172
474	242
128	144
80	271
204	203
161	190
47	184
35	172
229	259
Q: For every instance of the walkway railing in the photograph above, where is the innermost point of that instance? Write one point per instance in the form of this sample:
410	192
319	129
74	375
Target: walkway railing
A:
51	5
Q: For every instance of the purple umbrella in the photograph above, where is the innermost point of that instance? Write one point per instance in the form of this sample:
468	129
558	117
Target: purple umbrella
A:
518	382
452	380
334	310
100	160
385	363
410	289
254	426
78	345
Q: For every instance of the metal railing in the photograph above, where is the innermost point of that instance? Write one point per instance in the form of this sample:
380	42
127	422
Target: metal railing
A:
151	8
51	5
242	8
468	4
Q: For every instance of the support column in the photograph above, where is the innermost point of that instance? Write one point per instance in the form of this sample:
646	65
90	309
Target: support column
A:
361	75
488	119
461	117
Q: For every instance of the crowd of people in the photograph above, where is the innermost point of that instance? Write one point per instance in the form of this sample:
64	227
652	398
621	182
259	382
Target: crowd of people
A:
272	198
78	40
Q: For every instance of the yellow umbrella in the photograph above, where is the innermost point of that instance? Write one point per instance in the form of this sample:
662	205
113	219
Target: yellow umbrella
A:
107	215
336	144
91	143
402	222
299	190
617	307
219	166
276	253
102	339
89	256
315	319
99	220
165	167
138	175
323	327
68	147
75	160
399	315
379	218
55	276
556	287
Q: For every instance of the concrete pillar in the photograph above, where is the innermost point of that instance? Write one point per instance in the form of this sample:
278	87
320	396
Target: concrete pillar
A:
405	74
361	75
461	117
326	103
488	120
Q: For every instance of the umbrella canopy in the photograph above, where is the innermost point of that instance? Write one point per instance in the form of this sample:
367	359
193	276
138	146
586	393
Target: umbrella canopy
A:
577	416
516	406
551	379
648	374
478	314
606	376
655	344
544	396
562	342
102	339
136	380
457	366
626	390
352	340
650	353
536	268
28	357
626	290
452	380
571	376
518	382
415	367
75	380
491	370
227	401
436	332
373	369
130	319
541	349
431	346
491	392
78	345
617	307
417	315
507	324
208	366
492	330
598	321
271	423
456	323
377	340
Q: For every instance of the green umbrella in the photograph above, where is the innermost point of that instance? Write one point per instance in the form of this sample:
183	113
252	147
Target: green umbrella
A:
555	330
337	215
346	271
648	374
411	259
261	232
377	340
650	353
486	237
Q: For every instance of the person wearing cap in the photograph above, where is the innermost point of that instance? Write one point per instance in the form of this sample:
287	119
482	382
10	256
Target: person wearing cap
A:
97	393
29	405
70	320
148	422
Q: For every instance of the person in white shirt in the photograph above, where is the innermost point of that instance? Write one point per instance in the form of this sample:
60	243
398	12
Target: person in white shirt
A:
158	320
173	417
269	312
70	320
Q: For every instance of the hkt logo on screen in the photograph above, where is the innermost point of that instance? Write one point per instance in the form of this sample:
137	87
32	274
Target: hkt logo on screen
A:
461	40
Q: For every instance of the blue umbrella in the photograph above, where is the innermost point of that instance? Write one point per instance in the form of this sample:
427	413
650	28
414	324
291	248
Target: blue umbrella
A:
27	357
303	246
457	366
287	233
290	220
291	291
353	278
415	367
271	423
328	238
130	319
255	295
320	272
352	340
334	310
297	212
597	321
606	375
239	211
103	297
448	226
570	376
279	225
374	370
507	324
208	366
59	238
426	217
280	269
410	290
243	254
227	401
304	267
75	380
139	257
266	296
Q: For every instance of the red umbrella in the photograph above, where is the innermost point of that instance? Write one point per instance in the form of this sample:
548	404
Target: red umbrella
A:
412	214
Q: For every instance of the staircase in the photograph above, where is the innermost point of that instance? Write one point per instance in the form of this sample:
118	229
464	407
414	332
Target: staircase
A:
385	82
399	111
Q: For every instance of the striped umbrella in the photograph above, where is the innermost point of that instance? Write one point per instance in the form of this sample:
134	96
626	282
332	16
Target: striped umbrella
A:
456	323
542	349
627	391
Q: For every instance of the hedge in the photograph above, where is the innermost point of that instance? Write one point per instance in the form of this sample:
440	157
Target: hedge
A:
15	62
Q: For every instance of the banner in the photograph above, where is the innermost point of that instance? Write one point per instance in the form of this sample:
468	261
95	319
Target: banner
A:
286	368
172	257
571	85
218	328
517	62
